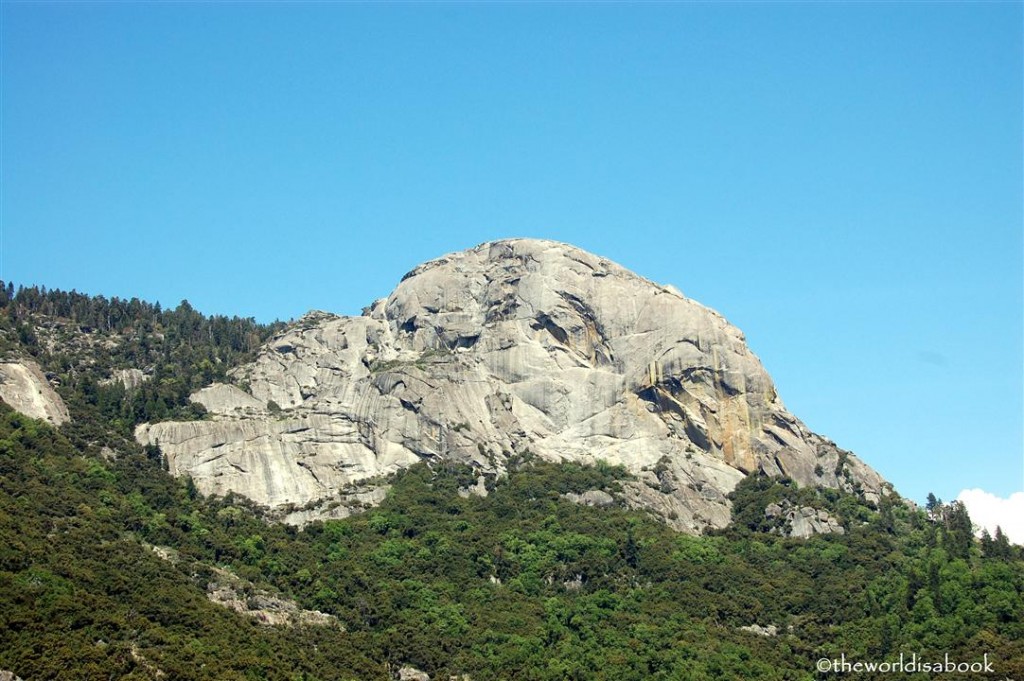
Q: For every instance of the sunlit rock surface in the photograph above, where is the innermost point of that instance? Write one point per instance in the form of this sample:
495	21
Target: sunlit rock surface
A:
24	388
512	346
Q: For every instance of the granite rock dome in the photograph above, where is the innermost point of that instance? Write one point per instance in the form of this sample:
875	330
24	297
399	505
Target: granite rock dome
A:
512	346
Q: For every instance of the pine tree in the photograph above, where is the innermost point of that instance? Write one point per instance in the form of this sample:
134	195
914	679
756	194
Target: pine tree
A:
987	544
959	531
1001	545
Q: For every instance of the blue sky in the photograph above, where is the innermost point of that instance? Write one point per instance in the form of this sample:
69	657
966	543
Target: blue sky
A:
842	181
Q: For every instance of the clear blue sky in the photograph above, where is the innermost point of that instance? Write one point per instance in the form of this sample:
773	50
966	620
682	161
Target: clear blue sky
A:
842	181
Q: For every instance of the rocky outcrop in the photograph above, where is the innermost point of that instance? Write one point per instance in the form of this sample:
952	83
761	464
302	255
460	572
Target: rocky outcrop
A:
594	497
510	347
768	631
410	673
131	379
24	387
803	521
230	591
227	590
477	490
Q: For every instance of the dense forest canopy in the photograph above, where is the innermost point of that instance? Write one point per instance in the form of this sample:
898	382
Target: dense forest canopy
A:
520	584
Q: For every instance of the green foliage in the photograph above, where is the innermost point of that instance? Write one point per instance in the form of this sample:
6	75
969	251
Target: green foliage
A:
754	493
520	584
958	535
81	596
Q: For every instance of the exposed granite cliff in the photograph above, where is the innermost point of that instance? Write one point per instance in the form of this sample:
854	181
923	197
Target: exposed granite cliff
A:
510	346
24	387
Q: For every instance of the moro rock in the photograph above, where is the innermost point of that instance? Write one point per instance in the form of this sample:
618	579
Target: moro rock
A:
511	347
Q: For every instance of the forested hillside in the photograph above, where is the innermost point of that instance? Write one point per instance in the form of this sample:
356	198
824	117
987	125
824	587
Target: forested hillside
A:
81	340
520	584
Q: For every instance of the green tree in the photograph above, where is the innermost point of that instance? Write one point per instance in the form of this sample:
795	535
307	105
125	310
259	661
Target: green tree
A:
959	531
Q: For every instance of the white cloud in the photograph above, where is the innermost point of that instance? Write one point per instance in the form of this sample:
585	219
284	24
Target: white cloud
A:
987	510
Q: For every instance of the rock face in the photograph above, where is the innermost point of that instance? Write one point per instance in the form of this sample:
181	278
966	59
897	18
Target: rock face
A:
804	521
131	379
512	346
24	387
